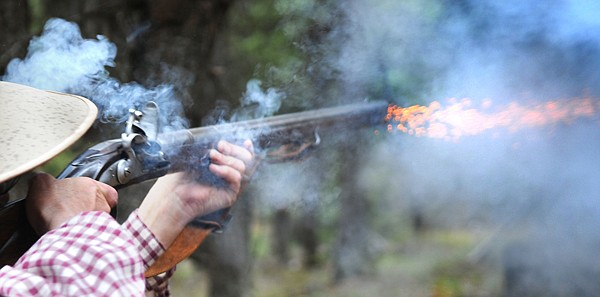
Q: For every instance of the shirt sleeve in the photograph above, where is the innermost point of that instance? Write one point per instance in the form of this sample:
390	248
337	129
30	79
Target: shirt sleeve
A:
89	255
145	242
150	249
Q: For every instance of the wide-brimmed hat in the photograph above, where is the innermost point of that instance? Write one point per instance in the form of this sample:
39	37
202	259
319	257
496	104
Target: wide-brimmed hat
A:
36	125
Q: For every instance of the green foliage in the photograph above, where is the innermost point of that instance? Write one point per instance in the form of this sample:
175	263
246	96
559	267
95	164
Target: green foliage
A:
447	287
260	241
256	36
56	165
37	9
299	16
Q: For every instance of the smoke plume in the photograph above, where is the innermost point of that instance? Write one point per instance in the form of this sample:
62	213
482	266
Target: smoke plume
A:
61	60
256	103
538	186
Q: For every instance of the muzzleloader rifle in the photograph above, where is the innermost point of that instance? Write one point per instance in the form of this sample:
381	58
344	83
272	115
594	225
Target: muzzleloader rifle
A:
142	153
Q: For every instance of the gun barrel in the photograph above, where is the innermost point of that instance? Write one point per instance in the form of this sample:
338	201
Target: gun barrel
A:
281	129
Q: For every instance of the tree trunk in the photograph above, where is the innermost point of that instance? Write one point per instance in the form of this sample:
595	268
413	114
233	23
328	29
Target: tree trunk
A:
227	255
282	235
177	49
352	253
308	237
14	30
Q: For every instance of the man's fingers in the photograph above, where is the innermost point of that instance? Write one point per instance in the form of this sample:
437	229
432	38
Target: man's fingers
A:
51	202
230	175
109	194
249	146
42	180
246	153
221	159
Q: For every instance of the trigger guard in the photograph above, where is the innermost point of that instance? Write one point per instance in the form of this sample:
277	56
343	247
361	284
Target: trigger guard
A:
216	221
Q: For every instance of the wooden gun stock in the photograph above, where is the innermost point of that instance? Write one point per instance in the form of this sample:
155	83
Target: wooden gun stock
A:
184	245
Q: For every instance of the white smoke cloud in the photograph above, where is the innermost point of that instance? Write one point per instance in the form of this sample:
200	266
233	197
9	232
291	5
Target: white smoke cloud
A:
256	103
61	60
537	187
538	183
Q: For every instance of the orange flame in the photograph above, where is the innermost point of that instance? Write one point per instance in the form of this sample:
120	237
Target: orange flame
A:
460	119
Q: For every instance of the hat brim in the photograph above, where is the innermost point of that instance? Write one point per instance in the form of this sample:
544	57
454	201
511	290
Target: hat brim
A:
38	125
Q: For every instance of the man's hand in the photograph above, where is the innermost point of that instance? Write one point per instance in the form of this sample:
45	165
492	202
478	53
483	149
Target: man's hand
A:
175	199
51	202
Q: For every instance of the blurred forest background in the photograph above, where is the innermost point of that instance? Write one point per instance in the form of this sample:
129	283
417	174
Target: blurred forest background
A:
344	222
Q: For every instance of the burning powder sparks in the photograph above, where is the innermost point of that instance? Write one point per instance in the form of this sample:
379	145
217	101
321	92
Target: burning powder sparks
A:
460	118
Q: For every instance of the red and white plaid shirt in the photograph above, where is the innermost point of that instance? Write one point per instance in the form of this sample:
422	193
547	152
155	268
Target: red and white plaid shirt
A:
90	255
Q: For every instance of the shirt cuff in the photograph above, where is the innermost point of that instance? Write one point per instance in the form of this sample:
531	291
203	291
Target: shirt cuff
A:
159	284
145	241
